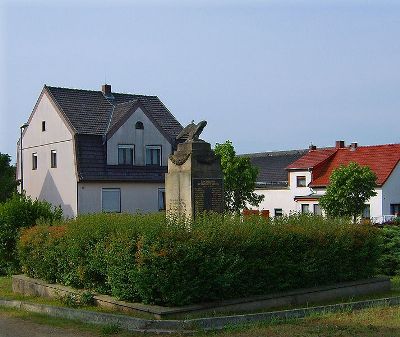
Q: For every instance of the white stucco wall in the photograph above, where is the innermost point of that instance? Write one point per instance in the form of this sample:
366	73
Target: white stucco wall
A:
273	199
135	197
127	134
299	191
56	185
391	190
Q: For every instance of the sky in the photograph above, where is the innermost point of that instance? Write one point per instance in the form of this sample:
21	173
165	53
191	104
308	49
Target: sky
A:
267	75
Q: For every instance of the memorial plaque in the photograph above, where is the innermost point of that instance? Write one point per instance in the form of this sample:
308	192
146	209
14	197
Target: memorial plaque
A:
208	195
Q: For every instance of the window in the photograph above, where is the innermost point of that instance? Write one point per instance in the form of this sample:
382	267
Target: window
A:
139	126
111	200
126	154
305	208
301	181
395	209
153	155
366	213
278	212
34	161
53	156
43	126
317	209
161	199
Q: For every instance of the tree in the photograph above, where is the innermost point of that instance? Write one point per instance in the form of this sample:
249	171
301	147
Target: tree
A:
239	179
8	183
350	187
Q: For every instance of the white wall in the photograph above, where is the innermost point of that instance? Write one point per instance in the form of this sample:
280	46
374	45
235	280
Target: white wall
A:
127	134
299	191
391	190
282	198
135	197
56	185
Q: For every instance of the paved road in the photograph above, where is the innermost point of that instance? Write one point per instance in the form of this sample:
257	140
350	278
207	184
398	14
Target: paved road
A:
17	327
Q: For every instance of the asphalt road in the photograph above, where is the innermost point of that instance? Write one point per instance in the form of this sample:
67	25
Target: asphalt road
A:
17	327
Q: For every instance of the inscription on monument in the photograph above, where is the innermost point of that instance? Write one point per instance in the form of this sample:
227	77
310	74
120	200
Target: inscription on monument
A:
207	195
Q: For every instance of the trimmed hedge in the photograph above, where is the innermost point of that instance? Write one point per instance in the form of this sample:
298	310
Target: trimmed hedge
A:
151	259
18	212
389	261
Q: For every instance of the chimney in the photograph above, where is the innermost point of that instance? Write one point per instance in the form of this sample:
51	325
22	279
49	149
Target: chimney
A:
353	146
312	147
106	89
339	144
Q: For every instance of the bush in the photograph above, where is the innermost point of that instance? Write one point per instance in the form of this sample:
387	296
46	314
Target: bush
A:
151	259
389	261
20	212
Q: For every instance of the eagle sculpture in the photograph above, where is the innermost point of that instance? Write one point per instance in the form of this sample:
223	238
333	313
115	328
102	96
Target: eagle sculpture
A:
192	131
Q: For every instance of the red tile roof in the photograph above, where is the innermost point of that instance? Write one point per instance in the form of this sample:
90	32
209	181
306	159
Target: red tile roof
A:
312	158
382	159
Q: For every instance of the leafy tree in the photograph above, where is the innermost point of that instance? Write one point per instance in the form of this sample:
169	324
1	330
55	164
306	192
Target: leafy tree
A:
350	187
8	183
239	179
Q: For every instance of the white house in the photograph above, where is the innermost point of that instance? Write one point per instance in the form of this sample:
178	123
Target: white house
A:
298	185
93	151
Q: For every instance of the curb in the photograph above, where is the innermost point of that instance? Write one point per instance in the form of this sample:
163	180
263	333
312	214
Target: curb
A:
190	325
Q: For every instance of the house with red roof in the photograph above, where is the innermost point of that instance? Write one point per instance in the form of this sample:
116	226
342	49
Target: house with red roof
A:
308	177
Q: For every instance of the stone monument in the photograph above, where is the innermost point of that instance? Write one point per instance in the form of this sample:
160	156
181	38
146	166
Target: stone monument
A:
194	182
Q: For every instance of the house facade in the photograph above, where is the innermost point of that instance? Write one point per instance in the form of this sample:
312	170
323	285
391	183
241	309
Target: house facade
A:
307	177
93	151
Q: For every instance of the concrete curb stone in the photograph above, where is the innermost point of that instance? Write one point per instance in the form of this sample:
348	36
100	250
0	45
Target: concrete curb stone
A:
190	325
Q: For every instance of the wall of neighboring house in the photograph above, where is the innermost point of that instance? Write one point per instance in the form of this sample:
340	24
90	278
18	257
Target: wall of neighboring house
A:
127	134
276	199
391	191
56	185
134	197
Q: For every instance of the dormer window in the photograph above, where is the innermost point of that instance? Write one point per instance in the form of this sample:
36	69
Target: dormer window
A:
153	155
43	126
139	126
126	154
301	181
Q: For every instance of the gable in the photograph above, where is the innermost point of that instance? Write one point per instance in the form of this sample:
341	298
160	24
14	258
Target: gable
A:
128	134
57	129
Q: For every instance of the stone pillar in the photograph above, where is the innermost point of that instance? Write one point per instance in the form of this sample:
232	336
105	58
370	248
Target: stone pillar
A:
194	182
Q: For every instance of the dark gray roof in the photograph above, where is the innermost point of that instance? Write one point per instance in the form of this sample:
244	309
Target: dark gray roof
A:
272	166
92	164
92	115
90	112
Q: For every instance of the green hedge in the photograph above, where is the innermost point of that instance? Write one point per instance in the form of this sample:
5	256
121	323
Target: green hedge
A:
389	260
149	259
19	212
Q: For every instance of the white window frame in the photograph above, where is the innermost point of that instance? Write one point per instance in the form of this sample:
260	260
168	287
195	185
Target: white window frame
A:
275	212
53	152
153	147
127	146
110	190
34	161
160	191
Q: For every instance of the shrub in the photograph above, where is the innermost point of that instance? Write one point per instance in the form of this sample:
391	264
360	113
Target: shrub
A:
152	259
389	261
19	212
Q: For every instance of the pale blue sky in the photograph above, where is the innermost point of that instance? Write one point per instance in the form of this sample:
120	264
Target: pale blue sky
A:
268	75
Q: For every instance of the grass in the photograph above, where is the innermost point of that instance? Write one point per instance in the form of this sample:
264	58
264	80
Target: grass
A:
382	321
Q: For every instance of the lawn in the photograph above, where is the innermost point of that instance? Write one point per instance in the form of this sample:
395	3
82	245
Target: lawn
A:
383	321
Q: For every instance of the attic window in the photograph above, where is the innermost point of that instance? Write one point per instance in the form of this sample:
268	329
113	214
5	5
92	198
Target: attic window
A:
43	126
139	126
